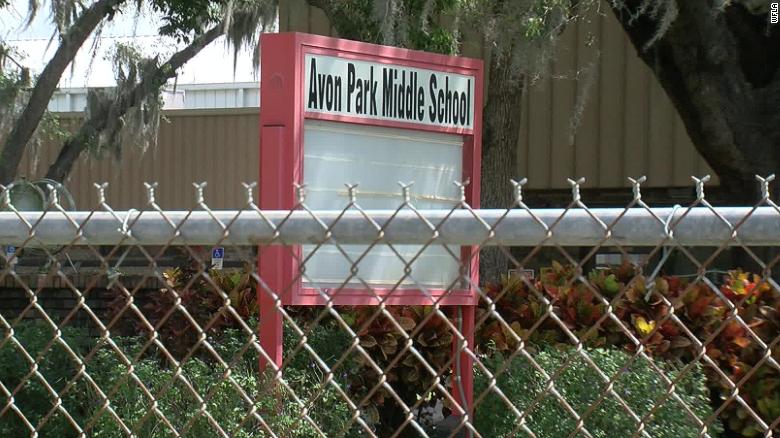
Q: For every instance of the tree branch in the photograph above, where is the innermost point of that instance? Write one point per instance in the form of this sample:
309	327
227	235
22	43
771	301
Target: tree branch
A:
150	84
25	126
727	104
326	6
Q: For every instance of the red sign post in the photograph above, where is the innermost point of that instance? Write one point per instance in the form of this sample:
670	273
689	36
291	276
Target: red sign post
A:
336	111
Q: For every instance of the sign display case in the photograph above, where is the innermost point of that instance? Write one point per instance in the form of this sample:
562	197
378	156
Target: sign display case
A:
336	111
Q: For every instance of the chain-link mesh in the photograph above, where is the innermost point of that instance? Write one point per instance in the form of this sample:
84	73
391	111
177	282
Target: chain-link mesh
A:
606	322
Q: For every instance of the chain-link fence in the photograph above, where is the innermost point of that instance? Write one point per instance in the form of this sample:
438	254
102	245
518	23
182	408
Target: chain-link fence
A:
592	322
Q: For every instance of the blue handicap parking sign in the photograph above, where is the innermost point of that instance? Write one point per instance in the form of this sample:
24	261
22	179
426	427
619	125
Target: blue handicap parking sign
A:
218	253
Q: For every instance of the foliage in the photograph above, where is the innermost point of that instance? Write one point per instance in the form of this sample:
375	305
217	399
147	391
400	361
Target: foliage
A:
57	366
227	406
138	126
646	312
525	29
643	309
530	20
637	384
183	19
15	79
308	379
12	83
201	295
62	12
175	401
384	336
415	24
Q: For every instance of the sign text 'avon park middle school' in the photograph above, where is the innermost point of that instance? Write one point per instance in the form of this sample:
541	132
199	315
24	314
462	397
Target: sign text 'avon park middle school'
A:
373	90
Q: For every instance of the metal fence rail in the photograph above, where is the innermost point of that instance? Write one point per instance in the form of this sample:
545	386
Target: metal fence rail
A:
547	227
632	321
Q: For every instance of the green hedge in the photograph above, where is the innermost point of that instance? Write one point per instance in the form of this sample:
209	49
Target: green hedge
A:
175	401
638	384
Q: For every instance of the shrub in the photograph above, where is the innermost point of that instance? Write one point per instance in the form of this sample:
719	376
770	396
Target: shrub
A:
408	376
180	407
645	308
56	368
579	384
384	341
194	288
175	401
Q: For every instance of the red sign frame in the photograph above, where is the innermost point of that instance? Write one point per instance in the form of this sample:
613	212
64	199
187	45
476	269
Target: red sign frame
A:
282	117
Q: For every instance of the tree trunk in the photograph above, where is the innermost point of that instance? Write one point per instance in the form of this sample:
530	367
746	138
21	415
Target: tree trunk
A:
720	69
28	121
151	83
500	134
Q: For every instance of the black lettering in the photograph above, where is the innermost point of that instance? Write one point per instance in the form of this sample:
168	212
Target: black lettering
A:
455	113
366	87
440	106
420	104
312	101
409	92
399	93
359	98
329	92
320	90
448	116
468	101
373	91
387	92
432	91
350	85
463	109
337	97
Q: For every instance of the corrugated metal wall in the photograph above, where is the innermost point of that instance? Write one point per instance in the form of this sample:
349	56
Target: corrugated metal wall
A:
220	147
600	114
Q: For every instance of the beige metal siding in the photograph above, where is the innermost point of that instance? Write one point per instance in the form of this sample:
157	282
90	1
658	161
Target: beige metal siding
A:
221	147
600	114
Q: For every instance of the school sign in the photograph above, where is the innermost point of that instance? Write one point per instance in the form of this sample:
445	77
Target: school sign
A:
335	111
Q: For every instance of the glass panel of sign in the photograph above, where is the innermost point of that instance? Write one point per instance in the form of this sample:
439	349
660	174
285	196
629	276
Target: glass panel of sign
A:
377	159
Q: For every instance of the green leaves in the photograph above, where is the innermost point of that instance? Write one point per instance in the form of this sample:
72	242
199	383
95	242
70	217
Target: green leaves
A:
644	308
414	24
182	18
636	382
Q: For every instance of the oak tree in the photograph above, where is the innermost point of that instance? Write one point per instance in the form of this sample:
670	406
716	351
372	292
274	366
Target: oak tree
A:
719	62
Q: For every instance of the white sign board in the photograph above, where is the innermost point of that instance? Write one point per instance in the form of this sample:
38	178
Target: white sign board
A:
352	88
377	159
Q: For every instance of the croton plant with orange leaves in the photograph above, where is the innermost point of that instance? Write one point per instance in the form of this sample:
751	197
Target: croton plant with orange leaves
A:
670	318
